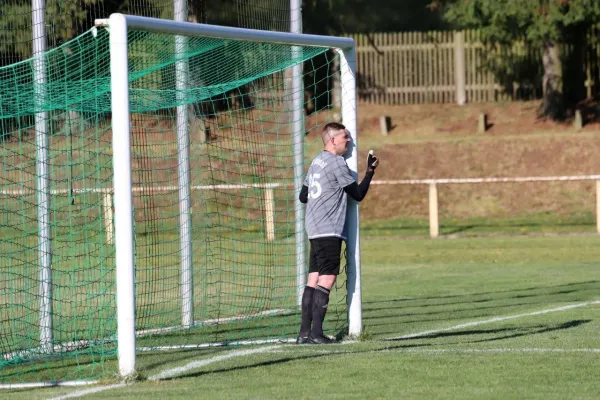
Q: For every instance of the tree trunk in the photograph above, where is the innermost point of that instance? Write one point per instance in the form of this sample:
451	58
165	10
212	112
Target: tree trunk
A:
574	72
553	103
197	11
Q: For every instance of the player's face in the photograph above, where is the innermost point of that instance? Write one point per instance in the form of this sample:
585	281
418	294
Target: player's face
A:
340	141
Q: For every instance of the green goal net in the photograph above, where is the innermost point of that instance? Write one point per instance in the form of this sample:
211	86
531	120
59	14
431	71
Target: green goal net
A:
60	323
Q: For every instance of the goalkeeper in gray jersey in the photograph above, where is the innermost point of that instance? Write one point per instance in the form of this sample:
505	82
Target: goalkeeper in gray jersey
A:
325	190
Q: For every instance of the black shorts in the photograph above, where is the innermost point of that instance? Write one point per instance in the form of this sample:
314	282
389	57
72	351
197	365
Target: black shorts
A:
325	255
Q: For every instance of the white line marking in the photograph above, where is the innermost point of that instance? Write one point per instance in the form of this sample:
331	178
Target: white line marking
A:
227	344
89	391
210	322
488	180
496	319
31	354
33	385
217	344
170	373
506	350
153	189
441	351
57	348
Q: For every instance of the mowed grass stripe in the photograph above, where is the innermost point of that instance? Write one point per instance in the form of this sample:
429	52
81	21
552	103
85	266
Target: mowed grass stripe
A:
419	285
492	320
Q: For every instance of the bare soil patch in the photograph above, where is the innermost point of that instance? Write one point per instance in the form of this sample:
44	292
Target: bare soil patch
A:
441	141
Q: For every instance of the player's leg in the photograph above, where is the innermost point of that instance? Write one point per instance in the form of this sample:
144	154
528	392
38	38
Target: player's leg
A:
327	281
328	258
307	298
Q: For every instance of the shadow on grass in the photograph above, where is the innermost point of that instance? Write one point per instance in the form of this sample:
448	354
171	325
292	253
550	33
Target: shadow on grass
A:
488	300
286	360
539	329
536	330
503	227
176	356
514	294
445	312
528	289
544	222
505	333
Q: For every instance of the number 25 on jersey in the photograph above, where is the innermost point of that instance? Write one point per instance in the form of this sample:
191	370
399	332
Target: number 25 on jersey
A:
314	189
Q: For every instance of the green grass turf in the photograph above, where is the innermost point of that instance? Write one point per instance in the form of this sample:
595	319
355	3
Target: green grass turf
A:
417	285
529	224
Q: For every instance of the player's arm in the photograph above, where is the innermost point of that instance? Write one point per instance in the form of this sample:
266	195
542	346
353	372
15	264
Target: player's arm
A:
303	194
359	191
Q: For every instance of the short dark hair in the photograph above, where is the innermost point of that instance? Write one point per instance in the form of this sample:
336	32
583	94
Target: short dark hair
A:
333	126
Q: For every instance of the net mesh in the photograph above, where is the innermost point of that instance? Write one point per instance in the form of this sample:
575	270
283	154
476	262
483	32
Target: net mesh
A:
243	221
66	19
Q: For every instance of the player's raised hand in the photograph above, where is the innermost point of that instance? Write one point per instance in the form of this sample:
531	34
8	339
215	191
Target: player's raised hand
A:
372	161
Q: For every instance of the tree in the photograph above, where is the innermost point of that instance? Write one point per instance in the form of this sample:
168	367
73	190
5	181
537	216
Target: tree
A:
545	24
62	19
336	17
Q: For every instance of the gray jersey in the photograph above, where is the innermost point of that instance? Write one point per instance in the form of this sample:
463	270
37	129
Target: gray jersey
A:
326	208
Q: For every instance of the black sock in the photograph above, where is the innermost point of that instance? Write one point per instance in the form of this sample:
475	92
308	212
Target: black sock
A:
320	302
307	300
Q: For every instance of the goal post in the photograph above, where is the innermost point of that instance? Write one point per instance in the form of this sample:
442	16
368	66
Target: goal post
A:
185	206
119	26
166	217
298	121
42	172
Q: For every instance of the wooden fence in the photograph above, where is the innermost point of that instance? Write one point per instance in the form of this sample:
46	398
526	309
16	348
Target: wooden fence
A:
454	67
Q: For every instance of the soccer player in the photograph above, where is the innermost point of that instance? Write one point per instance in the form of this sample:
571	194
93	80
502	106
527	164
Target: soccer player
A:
325	190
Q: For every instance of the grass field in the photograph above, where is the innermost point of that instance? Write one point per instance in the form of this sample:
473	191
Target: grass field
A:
504	305
493	318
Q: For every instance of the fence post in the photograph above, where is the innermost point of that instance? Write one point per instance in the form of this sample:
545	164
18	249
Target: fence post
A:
108	216
598	206
459	67
434	227
589	81
269	215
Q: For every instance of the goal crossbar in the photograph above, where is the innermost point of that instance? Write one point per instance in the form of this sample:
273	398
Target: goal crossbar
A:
156	25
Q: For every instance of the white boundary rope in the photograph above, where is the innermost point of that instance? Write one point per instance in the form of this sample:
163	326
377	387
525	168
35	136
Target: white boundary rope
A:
155	189
487	180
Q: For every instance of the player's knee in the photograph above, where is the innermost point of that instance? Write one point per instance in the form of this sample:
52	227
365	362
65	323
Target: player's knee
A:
326	281
313	279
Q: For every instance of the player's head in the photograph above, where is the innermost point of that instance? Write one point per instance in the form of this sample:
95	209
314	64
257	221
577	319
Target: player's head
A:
335	138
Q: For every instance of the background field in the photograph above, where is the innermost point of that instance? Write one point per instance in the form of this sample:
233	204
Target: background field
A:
444	143
504	305
420	285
